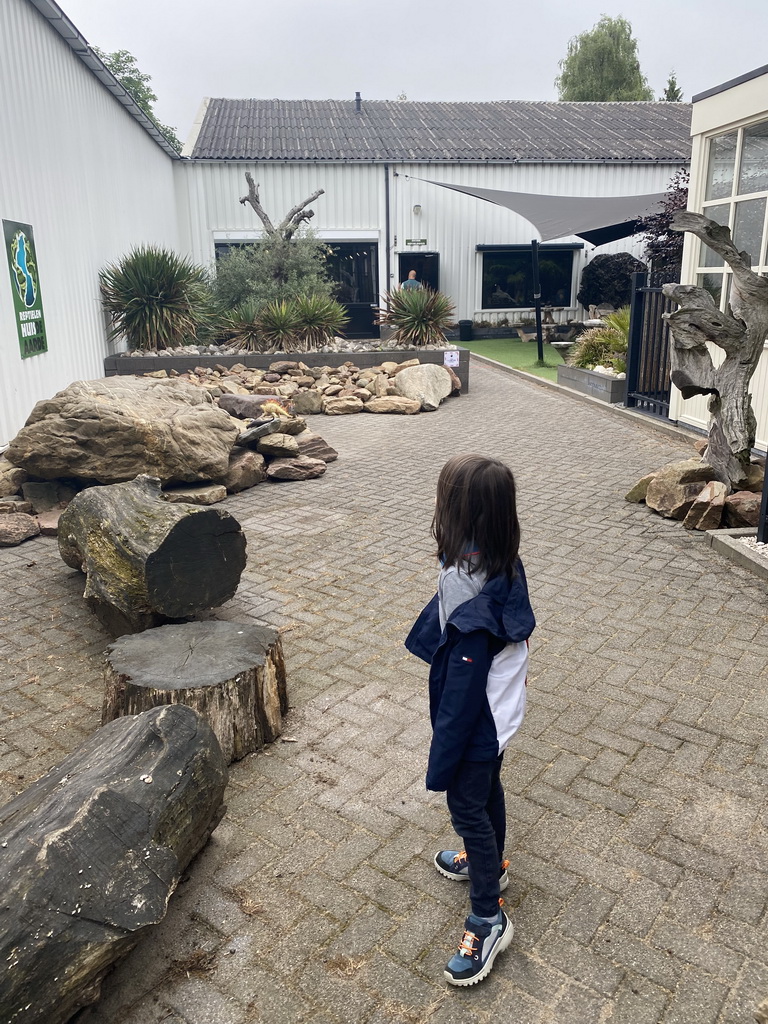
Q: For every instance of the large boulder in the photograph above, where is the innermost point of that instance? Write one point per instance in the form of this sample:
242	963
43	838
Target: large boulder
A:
246	469
394	403
307	402
316	447
301	468
706	511
742	508
116	429
280	446
429	383
11	478
675	487
342	406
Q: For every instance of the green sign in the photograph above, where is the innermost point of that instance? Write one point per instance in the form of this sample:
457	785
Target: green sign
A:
415	241
25	285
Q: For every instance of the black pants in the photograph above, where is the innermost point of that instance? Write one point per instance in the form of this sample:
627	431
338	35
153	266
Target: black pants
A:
476	804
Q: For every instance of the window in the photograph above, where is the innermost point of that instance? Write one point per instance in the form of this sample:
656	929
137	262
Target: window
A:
737	196
508	276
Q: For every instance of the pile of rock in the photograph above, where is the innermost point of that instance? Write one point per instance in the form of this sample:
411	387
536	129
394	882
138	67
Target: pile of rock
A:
408	387
113	430
691	492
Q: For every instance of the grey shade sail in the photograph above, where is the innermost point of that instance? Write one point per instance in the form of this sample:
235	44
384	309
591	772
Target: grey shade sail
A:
596	219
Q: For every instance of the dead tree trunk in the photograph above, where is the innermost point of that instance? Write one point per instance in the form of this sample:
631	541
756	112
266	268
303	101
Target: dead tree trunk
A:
147	560
292	220
232	675
740	332
92	852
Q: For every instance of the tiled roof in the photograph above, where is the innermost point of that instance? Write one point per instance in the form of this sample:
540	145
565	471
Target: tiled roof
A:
384	130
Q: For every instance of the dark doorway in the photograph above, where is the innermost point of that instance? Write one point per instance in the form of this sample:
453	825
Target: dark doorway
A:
426	265
354	268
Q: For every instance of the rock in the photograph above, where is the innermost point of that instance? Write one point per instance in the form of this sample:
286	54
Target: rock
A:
427	382
283	366
701	445
380	385
342	406
300	468
251	436
675	487
639	491
292	425
742	508
754	476
307	403
315	447
119	428
48	494
278	446
390	368
332	390
707	510
393	403
247	407
455	380
11	478
246	469
17	528
203	495
405	365
15	503
49	522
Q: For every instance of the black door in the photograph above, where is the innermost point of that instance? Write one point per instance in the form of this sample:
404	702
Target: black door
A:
426	265
353	266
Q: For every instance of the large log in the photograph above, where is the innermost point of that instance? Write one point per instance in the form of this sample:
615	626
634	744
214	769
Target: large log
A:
92	852
148	561
231	674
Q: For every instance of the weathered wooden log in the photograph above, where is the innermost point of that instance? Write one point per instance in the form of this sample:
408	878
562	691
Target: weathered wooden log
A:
148	561
92	852
740	332
231	674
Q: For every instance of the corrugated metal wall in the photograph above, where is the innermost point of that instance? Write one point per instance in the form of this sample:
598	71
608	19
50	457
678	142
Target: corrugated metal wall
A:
77	167
453	224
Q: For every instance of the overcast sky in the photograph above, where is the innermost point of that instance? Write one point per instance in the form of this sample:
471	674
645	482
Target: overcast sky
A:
427	49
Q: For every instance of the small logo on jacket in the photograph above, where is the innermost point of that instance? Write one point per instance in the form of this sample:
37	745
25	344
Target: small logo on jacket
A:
468	659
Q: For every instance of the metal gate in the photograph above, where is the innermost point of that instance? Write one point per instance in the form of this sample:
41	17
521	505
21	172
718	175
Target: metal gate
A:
648	386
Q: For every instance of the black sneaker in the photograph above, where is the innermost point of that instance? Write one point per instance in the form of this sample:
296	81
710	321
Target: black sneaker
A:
453	864
481	944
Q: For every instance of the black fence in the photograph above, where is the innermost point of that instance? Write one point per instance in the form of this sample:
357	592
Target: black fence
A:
648	387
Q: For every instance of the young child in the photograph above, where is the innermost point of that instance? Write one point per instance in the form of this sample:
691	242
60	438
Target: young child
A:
473	634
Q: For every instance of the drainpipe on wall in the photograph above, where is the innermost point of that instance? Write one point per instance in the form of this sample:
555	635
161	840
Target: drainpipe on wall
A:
387	215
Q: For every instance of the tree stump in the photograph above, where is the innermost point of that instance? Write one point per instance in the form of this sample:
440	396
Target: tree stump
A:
146	560
233	675
91	853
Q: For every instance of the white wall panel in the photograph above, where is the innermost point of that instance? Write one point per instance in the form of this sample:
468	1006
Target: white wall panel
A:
78	168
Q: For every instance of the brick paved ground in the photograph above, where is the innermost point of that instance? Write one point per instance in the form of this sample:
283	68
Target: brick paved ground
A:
638	830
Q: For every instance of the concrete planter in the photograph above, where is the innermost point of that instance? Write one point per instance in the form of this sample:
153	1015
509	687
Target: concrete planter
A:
597	385
142	364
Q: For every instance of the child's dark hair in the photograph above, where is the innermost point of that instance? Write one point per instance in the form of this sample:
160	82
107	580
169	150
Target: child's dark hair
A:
476	505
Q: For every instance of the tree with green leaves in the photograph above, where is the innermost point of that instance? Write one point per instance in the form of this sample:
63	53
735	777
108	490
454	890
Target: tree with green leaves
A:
672	91
663	247
123	66
602	65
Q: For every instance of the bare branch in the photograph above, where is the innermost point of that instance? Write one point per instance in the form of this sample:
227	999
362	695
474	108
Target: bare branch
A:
253	199
294	217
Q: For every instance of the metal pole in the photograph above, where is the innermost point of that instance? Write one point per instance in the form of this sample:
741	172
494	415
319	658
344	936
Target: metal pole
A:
537	299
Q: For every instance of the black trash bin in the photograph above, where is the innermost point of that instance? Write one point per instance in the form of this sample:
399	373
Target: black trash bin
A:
465	330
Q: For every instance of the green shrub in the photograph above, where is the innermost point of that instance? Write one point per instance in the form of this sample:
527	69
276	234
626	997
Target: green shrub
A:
320	319
277	325
240	328
608	279
272	269
156	299
418	315
605	345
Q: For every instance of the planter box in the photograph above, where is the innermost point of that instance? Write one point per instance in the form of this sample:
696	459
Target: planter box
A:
596	385
114	365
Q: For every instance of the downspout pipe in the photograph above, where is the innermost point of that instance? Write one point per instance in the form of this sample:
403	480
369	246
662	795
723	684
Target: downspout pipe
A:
387	231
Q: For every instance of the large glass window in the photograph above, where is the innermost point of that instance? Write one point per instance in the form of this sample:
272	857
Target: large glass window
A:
508	278
736	195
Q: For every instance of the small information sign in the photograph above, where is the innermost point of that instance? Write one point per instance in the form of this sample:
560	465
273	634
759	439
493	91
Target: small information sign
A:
450	358
415	241
25	285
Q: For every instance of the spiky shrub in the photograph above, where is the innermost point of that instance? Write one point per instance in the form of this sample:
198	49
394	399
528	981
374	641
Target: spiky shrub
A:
239	328
277	324
155	298
419	316
605	345
320	320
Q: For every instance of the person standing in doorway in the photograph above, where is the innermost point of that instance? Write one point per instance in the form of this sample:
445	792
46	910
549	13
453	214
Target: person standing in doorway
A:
411	283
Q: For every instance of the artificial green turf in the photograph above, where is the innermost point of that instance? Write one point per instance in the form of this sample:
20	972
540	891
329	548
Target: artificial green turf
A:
520	354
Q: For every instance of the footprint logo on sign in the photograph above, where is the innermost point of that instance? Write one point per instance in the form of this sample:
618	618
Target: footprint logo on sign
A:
24	268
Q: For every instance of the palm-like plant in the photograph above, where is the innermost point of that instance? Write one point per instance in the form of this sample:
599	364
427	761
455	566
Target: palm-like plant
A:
241	328
419	316
277	324
605	345
320	320
155	298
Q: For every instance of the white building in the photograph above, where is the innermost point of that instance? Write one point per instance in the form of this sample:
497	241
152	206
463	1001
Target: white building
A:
92	177
729	183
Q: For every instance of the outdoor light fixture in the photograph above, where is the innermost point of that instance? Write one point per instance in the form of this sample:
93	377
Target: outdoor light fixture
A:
417	209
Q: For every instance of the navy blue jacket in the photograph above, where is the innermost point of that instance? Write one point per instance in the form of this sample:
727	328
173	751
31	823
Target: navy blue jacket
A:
460	658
